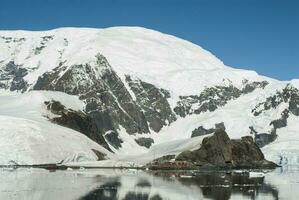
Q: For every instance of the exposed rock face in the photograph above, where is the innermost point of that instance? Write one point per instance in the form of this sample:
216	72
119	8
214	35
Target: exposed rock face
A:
262	139
103	92
76	120
251	86
113	138
280	123
13	39
200	131
145	142
108	102
209	100
11	77
218	150
100	155
153	102
245	153
43	44
215	150
212	98
289	95
220	126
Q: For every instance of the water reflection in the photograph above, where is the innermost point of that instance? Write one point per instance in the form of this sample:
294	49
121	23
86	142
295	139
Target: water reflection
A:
217	186
35	184
220	186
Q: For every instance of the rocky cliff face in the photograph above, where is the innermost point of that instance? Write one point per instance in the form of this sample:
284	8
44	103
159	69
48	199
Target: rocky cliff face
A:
76	120
153	102
109	104
103	92
212	98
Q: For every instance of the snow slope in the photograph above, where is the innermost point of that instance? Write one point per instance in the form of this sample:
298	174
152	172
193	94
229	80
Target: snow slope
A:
27	137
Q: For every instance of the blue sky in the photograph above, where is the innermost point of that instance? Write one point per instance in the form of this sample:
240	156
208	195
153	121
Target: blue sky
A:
262	35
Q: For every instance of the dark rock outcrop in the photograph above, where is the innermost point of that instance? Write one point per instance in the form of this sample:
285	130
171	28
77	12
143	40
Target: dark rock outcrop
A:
220	126
145	142
289	95
111	105
200	131
251	86
245	153
113	138
212	98
100	155
262	139
153	102
220	151
76	120
11	39
12	77
215	150
43	44
280	123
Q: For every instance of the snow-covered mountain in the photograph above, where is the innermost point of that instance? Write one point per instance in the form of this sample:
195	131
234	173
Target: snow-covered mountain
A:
131	94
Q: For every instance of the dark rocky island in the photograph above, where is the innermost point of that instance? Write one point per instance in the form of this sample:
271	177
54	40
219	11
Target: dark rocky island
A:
218	151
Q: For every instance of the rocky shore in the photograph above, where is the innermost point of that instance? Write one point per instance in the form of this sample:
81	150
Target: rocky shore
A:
217	152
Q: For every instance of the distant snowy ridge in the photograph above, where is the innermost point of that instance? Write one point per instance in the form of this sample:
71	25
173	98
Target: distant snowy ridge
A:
141	93
157	58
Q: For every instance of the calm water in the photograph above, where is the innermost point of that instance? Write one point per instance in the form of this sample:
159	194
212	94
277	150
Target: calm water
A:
37	184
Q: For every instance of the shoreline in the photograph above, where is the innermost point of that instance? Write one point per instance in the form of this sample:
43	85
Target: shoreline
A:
53	167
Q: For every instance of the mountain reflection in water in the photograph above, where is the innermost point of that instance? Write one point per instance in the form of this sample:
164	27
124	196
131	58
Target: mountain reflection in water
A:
98	184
